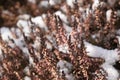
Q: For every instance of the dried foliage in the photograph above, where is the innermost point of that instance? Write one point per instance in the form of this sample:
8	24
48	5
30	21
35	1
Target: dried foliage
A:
44	67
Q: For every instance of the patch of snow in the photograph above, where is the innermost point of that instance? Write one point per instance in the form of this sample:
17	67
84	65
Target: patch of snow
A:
5	33
20	42
63	8
31	62
18	32
96	3
25	50
63	48
26	70
37	43
67	28
118	37
70	3
44	16
70	77
108	15
32	1
39	21
110	56
25	25
118	13
112	72
1	54
54	2
62	16
27	78
64	64
44	4
24	17
48	45
65	67
7	12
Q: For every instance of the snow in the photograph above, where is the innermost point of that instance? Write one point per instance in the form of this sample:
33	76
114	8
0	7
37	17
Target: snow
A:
5	33
24	17
64	64
25	25
70	3
118	13
95	4
48	45
110	56
67	28
44	4
62	16
31	61
112	72
65	67
63	48
64	8
70	77
54	2
118	37
0	51
1	56
108	15
26	70
27	78
39	21
25	50
32	1
37	43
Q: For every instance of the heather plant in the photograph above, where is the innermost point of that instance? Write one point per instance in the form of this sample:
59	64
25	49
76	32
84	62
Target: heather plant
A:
61	40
